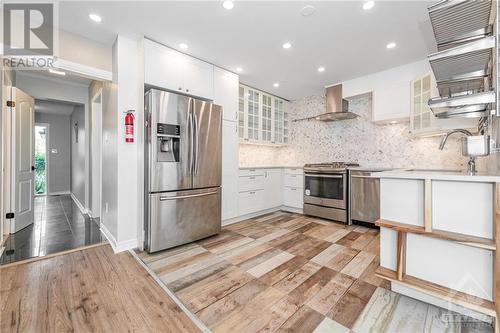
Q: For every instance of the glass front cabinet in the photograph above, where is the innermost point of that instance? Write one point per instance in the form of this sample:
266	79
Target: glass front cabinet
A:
262	118
422	120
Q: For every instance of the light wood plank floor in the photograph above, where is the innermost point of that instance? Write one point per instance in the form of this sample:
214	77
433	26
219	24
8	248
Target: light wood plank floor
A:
92	290
291	273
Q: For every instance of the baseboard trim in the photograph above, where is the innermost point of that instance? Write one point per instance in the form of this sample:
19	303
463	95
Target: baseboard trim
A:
261	212
118	246
249	216
292	209
79	204
60	193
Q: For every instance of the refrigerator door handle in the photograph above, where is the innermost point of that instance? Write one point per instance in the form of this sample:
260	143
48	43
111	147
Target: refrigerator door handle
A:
187	196
196	143
190	137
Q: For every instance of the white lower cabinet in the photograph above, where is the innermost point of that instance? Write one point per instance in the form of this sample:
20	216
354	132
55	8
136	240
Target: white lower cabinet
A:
263	189
251	201
293	197
273	183
230	150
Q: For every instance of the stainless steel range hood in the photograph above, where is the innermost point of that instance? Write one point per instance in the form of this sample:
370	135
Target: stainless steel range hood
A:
336	107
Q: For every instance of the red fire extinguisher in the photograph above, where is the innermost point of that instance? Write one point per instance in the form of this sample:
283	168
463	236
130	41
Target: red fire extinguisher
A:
129	126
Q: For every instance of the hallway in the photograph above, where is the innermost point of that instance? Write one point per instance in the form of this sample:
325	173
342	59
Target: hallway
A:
59	226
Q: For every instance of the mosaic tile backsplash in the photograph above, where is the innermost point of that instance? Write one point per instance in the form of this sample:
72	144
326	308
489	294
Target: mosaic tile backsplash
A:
357	140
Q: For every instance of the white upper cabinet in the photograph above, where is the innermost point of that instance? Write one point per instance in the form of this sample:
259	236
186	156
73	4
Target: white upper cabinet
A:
422	120
262	118
390	90
172	70
198	78
226	85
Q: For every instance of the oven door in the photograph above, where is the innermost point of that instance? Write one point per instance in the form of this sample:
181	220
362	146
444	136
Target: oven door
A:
325	189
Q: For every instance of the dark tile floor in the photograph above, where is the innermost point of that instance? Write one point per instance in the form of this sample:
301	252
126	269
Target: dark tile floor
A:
59	226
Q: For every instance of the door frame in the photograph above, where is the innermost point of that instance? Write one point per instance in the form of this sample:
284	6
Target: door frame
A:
6	149
93	99
47	156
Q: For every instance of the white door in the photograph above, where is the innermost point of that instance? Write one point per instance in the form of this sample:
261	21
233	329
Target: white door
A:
23	192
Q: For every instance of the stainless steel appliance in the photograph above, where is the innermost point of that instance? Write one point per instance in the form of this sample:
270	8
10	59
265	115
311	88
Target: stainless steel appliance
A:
183	169
337	108
325	190
364	197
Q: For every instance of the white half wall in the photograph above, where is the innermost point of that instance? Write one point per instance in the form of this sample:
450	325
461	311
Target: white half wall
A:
127	191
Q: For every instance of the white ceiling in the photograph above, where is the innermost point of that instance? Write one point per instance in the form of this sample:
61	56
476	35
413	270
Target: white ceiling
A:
54	107
340	36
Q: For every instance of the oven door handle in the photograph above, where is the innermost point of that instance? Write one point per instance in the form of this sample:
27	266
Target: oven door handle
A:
322	175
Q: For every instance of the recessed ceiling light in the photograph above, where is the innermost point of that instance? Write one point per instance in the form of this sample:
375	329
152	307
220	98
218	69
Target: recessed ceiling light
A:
368	4
391	45
321	69
228	5
95	17
276	84
183	46
287	45
55	71
307	10
239	69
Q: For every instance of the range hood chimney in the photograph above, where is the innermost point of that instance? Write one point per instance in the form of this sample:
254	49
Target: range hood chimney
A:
336	107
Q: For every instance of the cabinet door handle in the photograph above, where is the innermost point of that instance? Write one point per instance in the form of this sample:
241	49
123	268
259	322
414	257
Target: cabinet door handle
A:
252	192
252	177
187	90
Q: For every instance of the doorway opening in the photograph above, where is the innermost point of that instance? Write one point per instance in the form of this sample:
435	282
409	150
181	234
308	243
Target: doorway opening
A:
41	155
55	147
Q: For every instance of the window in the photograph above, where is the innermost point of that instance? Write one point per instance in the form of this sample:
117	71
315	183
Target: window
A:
262	117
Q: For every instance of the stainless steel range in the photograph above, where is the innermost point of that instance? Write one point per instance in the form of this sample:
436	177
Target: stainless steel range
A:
325	190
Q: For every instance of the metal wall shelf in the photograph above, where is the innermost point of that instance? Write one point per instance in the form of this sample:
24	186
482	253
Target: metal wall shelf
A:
456	21
454	68
470	105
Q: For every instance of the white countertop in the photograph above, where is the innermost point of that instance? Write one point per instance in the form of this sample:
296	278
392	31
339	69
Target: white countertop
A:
452	175
272	167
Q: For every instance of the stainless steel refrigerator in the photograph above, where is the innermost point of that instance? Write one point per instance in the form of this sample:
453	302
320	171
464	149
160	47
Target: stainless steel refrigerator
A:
183	169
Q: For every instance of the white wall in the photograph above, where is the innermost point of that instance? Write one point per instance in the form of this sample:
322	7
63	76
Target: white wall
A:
109	194
59	164
95	90
78	153
357	140
124	221
84	51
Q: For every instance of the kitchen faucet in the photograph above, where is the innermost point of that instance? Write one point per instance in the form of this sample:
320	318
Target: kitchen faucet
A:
471	165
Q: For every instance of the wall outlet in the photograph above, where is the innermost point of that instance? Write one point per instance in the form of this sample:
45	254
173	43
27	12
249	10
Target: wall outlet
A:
106	207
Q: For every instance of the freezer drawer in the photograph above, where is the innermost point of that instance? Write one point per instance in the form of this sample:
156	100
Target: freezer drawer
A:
182	217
